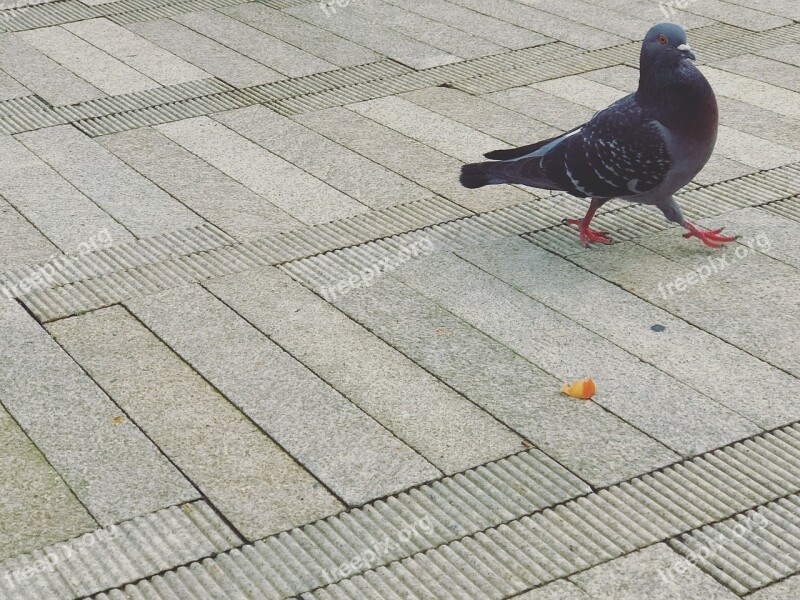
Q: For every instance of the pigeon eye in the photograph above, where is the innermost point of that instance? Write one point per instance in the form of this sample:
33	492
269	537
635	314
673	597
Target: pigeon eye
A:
662	39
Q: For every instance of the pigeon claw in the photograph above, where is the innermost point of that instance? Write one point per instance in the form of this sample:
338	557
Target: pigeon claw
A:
588	235
710	237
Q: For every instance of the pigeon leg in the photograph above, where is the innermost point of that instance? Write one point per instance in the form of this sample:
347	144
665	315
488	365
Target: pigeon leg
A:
711	237
590	235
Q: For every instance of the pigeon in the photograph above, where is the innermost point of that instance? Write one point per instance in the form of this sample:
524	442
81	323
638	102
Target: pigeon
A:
642	148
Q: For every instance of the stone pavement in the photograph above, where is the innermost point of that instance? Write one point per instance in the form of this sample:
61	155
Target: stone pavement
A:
256	342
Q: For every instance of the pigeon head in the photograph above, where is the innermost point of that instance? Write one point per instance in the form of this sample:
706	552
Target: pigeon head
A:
665	45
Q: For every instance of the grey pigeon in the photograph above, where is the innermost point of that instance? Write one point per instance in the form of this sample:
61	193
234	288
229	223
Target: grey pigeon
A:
643	148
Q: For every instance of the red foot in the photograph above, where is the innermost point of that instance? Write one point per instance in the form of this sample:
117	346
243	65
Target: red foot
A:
588	235
710	237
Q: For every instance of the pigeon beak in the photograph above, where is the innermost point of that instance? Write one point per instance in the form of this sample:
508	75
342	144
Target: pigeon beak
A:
687	51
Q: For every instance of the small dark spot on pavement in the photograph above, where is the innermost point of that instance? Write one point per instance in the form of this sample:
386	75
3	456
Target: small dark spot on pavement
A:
657	327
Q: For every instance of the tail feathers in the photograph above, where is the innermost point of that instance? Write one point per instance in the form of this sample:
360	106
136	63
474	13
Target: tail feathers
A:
475	175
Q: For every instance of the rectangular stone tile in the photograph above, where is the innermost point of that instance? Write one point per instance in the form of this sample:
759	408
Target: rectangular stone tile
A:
115	471
667	409
205	53
428	127
427	31
787	53
752	150
207	191
590	441
759	122
557	112
95	66
599	17
20	242
36	506
718	168
42	75
410	158
784	8
357	176
137	203
644	574
374	36
720	309
746	17
248	41
554	26
779	237
580	90
420	410
316	41
480	114
261	491
622	77
301	195
656	12
699	359
58	210
557	590
346	449
495	30
751	91
763	69
136	52
788	589
10	88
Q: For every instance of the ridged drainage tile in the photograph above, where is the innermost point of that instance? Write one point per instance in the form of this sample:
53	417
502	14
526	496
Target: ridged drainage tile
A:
106	277
484	540
387	530
111	556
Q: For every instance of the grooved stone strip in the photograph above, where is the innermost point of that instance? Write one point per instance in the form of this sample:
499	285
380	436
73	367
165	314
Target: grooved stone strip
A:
504	559
121	272
750	550
108	557
433	514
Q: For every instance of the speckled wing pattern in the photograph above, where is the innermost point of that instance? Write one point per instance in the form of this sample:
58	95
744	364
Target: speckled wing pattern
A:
619	152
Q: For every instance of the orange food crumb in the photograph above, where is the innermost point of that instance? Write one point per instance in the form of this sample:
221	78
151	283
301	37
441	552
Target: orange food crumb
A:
583	389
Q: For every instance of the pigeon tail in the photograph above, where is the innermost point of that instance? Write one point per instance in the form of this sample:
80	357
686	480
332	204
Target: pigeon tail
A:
474	176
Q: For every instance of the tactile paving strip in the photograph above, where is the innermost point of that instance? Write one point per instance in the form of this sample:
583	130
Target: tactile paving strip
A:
110	276
491	561
748	551
109	557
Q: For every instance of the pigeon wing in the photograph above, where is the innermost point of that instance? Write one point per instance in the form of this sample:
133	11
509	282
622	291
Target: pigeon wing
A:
619	152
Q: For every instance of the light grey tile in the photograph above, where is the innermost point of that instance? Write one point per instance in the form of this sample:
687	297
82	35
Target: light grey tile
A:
642	574
763	69
261	491
545	23
285	185
788	53
316	41
599	17
746	17
205	53
346	449
759	122
484	26
557	112
662	406
718	168
653	335
58	210
42	75
85	60
557	590
622	77
248	41
580	90
480	114
37	507
375	37
774	236
410	158
752	150
349	172
137	203
751	91
438	132
425	30
788	589
10	88
423	412
20	242
593	443
136	52
109	464
207	191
